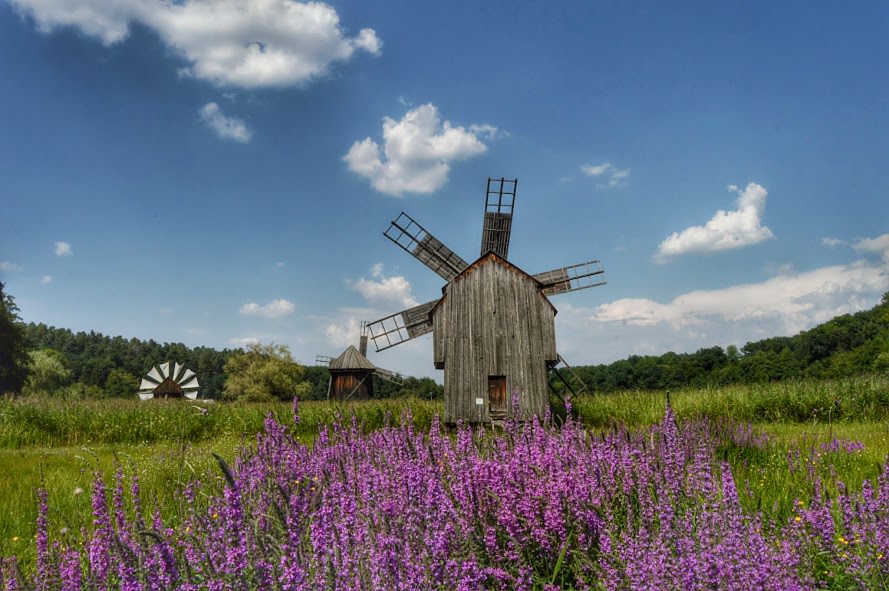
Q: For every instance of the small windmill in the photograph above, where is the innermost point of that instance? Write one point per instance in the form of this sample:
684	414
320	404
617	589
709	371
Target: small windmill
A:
169	380
494	326
351	374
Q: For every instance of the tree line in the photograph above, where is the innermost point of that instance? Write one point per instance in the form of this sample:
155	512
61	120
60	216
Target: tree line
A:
36	358
40	359
847	345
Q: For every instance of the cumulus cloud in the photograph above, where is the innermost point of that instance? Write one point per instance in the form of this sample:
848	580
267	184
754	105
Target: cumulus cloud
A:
798	301
244	341
832	242
417	152
612	176
343	333
241	43
63	249
7	266
46	279
726	229
384	292
225	127
274	309
779	306
878	245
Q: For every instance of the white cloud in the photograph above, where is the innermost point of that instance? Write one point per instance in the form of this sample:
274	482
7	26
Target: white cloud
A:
225	127
417	152
343	333
7	266
878	245
384	292
614	177
280	265
242	43
244	341
275	309
46	280
797	300
726	229
63	249
832	242
779	306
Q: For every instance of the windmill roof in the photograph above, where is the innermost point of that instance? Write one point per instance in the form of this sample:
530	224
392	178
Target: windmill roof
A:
487	258
351	358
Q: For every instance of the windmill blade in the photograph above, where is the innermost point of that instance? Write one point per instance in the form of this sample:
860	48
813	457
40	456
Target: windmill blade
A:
155	375
497	223
190	384
165	369
323	360
389	376
147	385
176	369
572	278
416	241
401	326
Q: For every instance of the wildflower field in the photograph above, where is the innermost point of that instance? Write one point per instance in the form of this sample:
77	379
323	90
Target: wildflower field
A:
696	496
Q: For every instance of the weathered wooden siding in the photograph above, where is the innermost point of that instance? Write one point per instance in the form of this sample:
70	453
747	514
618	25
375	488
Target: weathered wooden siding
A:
493	321
358	384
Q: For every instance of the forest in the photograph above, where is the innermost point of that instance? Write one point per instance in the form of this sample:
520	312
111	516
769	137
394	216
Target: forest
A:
93	365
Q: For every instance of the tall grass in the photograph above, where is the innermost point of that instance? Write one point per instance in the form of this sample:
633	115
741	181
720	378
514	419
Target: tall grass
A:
53	423
803	401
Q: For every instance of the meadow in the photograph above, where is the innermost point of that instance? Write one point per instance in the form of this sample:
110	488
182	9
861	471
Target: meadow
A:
777	485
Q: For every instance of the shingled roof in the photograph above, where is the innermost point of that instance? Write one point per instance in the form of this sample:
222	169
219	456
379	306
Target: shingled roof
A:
351	359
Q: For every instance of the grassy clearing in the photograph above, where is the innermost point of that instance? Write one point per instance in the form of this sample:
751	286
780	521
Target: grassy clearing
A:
46	422
817	402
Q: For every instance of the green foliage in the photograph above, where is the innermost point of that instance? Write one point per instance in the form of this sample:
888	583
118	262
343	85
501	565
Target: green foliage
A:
13	346
47	372
264	373
848	345
121	383
93	357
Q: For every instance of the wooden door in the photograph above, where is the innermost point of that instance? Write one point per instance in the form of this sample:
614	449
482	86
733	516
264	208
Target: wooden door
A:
497	395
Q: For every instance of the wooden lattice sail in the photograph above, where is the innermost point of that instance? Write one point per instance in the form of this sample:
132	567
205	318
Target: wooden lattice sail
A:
169	380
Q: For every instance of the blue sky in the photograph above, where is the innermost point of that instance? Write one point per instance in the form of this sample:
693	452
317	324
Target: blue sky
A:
220	171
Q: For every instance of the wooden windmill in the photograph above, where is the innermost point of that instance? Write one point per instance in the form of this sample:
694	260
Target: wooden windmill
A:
494	326
169	380
351	374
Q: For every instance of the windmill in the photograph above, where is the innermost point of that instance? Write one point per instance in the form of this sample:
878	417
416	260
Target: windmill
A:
351	374
169	381
494	326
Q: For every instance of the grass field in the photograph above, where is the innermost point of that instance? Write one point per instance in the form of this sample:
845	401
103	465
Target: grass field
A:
835	430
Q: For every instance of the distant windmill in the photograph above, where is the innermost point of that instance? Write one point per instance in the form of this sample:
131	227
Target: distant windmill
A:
169	381
494	327
351	374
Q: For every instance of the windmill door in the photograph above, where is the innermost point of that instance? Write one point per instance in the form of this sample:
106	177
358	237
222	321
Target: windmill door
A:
497	396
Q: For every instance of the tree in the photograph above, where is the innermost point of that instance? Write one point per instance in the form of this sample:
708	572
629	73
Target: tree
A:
13	346
121	383
263	373
47	372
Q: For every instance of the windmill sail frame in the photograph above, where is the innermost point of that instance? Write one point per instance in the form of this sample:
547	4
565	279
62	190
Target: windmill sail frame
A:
414	239
497	223
400	327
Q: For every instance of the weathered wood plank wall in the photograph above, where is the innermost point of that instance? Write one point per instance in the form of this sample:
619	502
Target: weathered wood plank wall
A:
494	321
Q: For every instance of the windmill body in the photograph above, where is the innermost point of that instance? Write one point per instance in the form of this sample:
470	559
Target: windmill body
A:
351	376
494	326
494	336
